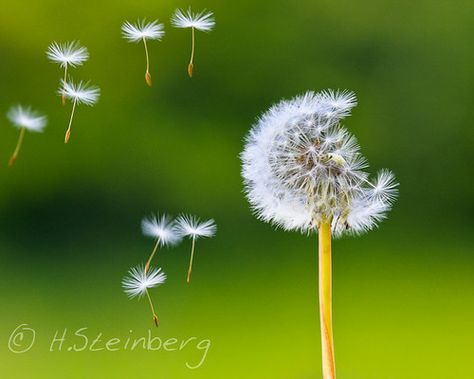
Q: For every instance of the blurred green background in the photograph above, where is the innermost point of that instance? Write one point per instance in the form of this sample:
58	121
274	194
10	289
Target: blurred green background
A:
70	215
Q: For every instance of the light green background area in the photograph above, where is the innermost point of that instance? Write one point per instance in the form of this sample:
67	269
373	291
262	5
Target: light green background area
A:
70	215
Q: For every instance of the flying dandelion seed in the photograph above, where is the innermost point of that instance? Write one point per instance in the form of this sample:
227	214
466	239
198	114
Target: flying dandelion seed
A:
192	227
163	230
24	119
303	171
80	93
202	21
69	54
143	31
138	282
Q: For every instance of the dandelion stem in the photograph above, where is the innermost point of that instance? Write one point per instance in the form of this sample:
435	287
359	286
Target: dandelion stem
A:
155	317
325	300
68	131
147	266
147	73
190	270
17	148
190	66
63	96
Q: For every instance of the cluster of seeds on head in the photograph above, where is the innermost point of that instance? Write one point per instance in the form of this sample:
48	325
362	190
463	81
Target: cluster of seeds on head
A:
318	159
301	167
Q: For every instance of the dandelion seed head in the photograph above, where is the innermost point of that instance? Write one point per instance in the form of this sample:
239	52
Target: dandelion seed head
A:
161	228
141	30
67	54
25	117
191	226
203	21
81	93
137	282
301	168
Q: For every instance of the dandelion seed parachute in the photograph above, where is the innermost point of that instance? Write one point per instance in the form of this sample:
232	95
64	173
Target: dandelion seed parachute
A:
202	21
137	282
24	118
67	54
143	31
80	93
192	227
162	228
301	167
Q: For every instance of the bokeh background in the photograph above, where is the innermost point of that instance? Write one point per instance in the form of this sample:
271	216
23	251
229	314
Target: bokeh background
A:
70	215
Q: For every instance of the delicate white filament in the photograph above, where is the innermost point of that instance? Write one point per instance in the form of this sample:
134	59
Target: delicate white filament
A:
202	21
143	30
137	282
25	117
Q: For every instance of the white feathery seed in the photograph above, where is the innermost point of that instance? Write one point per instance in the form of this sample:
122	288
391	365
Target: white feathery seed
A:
202	21
80	93
67	54
161	228
191	226
137	282
142	30
25	117
384	186
301	167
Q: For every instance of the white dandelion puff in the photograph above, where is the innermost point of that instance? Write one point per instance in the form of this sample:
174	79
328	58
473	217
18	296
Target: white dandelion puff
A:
202	21
138	282
303	171
163	230
192	227
302	168
143	31
69	54
80	93
24	118
385	186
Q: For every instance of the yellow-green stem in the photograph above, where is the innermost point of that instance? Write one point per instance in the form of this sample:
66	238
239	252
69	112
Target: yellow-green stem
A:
17	148
191	65
63	96
68	131
190	269
155	317
155	248
147	72
325	300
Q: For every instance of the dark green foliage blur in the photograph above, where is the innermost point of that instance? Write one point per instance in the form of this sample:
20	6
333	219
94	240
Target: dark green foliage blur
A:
70	214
